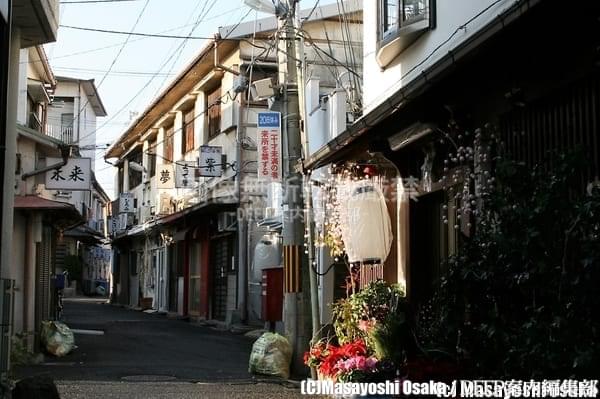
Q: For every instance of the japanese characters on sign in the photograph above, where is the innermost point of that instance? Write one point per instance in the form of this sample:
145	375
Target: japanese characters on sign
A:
165	176
185	173
126	203
269	146
123	221
75	175
210	161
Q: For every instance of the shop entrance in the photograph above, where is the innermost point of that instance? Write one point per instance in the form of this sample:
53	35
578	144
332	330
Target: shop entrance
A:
221	252
428	245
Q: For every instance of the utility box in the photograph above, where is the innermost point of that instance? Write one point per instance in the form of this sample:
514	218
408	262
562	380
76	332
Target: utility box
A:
272	294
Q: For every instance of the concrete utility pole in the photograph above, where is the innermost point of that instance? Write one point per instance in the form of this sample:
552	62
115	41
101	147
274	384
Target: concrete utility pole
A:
296	311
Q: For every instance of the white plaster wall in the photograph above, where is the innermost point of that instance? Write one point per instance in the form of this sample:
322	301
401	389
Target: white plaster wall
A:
450	15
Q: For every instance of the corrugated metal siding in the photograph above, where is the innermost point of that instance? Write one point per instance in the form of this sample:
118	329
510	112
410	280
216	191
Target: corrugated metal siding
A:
564	120
44	268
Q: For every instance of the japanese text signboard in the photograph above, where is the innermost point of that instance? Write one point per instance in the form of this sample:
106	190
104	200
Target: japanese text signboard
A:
165	176
210	161
185	173
126	204
75	175
269	146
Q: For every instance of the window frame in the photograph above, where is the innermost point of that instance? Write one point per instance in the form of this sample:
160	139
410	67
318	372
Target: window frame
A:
169	144
405	32
187	138
213	112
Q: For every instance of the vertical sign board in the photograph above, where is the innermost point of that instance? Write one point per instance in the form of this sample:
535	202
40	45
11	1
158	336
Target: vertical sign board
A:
165	176
211	161
75	175
126	203
122	221
185	173
269	146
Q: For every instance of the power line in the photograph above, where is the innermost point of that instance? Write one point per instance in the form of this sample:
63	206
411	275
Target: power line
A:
120	32
125	73
148	83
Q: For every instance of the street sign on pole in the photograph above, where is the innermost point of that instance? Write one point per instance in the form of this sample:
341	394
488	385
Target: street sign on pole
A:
211	161
269	146
185	174
126	203
75	175
165	176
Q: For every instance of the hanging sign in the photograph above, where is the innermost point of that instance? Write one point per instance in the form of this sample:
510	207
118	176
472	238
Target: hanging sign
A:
75	175
165	176
185	172
210	161
122	221
269	146
126	203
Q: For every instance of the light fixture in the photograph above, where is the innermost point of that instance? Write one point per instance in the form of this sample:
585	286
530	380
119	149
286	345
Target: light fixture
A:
267	6
409	135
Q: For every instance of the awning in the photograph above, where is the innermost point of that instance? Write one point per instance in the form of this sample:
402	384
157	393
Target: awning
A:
85	234
61	214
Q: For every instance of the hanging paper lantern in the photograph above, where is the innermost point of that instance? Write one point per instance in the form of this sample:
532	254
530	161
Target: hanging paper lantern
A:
367	228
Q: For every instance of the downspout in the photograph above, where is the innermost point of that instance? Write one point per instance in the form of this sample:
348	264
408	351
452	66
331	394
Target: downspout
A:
216	58
65	154
26	275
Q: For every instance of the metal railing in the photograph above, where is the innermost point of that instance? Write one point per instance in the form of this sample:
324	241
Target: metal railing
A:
62	133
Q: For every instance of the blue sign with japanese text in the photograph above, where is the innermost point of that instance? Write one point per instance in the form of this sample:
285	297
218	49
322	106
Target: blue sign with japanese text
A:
268	119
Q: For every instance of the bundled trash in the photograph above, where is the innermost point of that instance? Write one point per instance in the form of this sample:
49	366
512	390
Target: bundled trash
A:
271	355
57	338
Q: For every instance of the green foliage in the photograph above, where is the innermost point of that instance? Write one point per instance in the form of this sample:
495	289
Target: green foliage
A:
521	297
376	314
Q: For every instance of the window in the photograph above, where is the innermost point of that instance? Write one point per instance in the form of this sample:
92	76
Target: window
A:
169	144
187	139
214	112
135	176
401	22
152	158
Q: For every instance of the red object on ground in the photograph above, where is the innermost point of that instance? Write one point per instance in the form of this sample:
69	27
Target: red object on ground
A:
272	294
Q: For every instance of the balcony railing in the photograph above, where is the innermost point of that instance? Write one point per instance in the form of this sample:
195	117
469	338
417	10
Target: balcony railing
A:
62	133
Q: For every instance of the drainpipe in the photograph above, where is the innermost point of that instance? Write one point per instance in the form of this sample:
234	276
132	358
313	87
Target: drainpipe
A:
65	151
216	57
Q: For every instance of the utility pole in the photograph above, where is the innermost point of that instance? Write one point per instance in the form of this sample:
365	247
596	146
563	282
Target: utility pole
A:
296	309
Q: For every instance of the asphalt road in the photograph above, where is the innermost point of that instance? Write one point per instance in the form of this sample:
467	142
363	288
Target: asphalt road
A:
148	356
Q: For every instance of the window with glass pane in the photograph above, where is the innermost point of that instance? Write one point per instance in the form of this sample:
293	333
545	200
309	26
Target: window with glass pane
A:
187	142
169	143
413	10
390	15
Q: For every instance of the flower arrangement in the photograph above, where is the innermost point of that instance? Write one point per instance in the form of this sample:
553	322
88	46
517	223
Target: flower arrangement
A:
350	362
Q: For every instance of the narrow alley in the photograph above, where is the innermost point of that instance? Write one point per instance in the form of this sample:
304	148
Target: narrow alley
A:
126	353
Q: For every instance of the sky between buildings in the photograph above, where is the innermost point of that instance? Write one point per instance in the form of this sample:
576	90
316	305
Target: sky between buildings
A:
143	66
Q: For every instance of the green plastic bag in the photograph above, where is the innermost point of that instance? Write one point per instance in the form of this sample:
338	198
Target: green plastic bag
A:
271	355
57	338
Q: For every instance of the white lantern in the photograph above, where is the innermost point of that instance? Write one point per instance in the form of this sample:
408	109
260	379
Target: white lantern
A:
367	228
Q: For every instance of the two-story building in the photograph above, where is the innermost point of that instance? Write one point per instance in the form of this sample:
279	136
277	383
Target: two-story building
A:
441	77
188	170
24	24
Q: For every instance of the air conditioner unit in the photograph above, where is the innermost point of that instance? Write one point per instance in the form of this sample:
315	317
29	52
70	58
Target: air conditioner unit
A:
227	221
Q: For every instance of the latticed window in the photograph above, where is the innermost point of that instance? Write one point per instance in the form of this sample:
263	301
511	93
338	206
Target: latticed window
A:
214	112
187	142
169	144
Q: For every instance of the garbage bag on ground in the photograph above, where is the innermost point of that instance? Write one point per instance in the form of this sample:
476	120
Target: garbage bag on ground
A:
271	355
57	338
